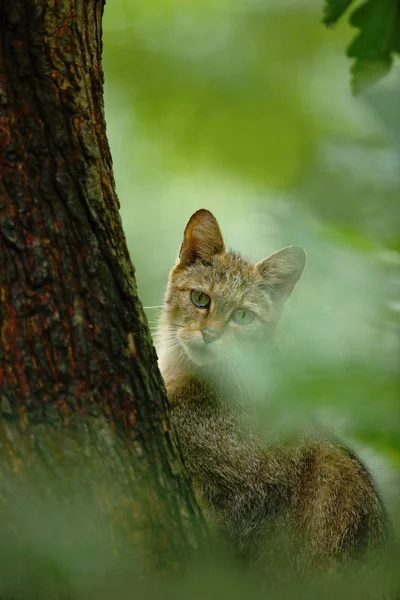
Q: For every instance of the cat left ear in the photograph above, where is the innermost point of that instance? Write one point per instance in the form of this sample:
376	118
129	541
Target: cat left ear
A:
282	270
202	238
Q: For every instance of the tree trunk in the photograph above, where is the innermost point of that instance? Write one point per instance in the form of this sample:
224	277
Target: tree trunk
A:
83	408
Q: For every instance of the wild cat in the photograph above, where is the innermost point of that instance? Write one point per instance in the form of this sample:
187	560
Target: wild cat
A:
310	501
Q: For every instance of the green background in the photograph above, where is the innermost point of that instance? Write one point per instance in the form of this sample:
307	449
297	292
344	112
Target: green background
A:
244	107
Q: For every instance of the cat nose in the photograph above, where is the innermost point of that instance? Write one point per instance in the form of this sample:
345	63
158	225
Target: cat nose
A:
210	335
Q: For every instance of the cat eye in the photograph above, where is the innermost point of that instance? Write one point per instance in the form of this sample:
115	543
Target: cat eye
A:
200	299
242	316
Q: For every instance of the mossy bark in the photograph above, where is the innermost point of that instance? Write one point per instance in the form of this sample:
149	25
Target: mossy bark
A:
80	391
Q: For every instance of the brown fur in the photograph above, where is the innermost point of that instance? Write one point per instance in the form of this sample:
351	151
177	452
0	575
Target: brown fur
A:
311	502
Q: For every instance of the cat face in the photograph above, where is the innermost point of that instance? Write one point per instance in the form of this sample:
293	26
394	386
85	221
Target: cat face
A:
217	300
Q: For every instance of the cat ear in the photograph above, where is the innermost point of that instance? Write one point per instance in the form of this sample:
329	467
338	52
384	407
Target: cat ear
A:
202	238
282	270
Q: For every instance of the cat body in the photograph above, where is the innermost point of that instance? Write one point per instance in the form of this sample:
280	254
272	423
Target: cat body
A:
310	501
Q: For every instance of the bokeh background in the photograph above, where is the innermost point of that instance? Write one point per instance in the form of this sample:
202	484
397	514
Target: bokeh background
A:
244	107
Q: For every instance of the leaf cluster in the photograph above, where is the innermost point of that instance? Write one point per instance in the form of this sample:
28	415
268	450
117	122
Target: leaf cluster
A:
377	41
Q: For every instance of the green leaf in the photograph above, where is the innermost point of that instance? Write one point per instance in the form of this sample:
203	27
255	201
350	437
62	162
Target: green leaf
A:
376	42
334	9
365	73
378	22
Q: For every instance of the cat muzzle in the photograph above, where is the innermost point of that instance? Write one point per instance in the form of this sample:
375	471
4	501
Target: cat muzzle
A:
210	335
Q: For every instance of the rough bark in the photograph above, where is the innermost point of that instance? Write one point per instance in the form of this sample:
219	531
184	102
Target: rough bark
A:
80	391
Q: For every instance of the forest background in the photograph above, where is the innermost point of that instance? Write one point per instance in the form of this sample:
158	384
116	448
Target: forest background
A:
246	108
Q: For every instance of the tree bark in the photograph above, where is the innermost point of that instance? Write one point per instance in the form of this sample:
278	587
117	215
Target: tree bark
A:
81	397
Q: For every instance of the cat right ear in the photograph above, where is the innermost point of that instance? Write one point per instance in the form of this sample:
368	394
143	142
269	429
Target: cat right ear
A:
282	270
202	239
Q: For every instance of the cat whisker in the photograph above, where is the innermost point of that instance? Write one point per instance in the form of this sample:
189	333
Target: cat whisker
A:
167	329
238	383
169	342
240	375
165	333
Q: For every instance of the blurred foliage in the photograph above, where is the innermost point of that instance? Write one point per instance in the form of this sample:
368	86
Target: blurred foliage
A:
378	39
243	107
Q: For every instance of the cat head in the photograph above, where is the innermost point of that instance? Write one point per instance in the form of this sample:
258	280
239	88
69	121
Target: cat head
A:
216	299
